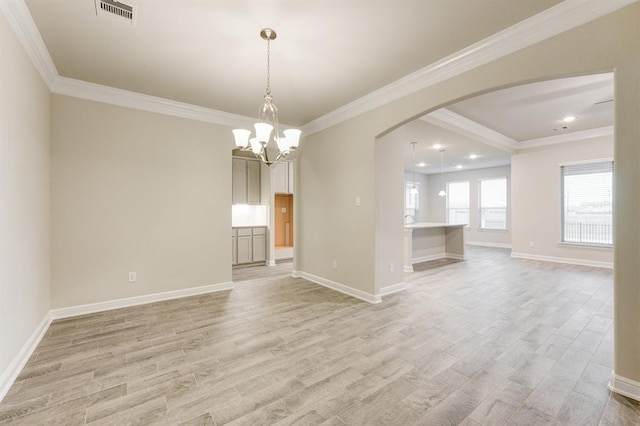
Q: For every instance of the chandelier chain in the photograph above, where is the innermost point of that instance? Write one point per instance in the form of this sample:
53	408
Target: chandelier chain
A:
268	66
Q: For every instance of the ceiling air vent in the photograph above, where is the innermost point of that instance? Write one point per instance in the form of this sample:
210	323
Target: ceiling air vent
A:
116	10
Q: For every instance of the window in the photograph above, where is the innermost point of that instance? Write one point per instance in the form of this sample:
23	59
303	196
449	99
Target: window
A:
411	201
493	203
458	202
587	203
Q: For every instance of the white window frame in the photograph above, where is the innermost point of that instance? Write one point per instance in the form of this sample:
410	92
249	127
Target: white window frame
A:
506	208
468	208
563	237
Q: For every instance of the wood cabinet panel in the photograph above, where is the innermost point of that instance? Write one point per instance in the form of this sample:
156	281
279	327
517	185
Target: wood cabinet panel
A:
248	245
239	181
253	182
246	181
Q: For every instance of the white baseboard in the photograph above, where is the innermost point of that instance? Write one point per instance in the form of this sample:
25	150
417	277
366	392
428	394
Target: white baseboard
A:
390	289
623	386
566	260
271	263
358	294
429	258
483	244
455	256
407	268
436	257
9	375
91	308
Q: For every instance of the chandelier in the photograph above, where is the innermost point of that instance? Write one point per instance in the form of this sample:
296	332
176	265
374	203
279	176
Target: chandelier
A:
442	192
414	190
267	144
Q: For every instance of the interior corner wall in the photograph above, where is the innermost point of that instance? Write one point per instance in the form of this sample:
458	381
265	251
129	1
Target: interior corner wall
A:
473	234
24	202
134	191
536	211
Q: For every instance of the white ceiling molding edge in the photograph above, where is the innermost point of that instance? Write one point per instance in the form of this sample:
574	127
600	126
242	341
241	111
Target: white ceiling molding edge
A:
20	20
553	21
567	137
125	98
450	120
454	122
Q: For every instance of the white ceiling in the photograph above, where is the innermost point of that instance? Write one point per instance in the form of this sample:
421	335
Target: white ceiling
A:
536	110
331	59
209	54
457	149
516	117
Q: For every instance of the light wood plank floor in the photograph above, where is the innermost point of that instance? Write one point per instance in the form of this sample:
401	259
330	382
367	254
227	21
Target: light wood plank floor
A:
491	340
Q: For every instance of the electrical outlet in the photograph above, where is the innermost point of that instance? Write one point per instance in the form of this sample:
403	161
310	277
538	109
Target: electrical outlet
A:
334	264
357	201
532	244
132	277
391	267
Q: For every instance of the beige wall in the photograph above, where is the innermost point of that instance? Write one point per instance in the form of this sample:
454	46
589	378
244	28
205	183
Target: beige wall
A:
536	207
337	163
438	205
389	208
136	191
24	200
334	170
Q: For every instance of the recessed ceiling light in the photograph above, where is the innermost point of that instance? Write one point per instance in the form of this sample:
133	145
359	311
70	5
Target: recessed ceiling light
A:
437	146
473	156
459	166
422	164
568	119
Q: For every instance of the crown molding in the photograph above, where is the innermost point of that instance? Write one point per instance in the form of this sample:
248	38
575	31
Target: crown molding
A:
555	20
21	22
567	137
450	120
560	18
125	98
454	122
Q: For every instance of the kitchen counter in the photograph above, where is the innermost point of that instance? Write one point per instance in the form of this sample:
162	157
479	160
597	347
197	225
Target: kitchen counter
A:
424	241
423	225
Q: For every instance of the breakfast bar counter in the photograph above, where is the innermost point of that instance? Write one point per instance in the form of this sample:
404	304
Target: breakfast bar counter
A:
424	241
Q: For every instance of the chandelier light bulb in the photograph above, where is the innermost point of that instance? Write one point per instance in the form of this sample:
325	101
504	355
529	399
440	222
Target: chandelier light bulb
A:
241	137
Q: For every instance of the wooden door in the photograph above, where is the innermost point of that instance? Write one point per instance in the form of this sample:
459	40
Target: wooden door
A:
283	233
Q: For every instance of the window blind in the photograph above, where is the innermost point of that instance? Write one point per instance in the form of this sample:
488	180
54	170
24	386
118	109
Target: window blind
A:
587	203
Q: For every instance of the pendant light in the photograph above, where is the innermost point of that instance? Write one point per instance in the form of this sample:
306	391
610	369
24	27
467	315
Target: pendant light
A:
414	190
442	192
267	145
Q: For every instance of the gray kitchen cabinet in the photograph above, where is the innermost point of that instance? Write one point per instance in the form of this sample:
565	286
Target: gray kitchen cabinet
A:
259	249
248	245
245	181
283	176
234	246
